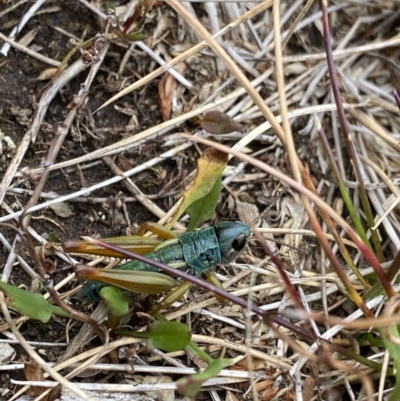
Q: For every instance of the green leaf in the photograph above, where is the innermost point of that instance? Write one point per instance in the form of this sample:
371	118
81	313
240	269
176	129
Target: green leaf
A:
209	169
110	6
204	208
134	37
165	335
189	386
30	304
198	352
117	302
169	336
394	351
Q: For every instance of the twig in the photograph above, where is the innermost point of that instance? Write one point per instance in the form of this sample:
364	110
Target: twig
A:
29	52
35	6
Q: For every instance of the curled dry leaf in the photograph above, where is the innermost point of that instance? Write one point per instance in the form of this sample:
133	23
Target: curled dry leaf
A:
49	266
166	90
263	385
123	163
47	74
308	388
33	372
218	123
137	19
269	393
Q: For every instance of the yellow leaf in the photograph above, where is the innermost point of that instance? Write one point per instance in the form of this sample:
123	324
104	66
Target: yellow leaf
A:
209	168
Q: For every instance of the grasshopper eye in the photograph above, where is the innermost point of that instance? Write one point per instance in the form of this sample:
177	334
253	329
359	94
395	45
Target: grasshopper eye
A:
239	242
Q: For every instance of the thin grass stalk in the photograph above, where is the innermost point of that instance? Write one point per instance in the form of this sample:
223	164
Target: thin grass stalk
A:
391	274
355	296
350	207
345	130
342	187
396	97
291	289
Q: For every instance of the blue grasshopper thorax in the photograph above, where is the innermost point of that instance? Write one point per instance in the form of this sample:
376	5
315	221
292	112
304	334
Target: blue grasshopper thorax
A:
206	248
91	291
232	237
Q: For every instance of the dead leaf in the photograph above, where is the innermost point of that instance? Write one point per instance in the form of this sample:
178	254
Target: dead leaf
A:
257	364
166	91
47	74
209	168
49	266
264	384
269	394
218	123
33	372
123	163
308	388
61	209
137	19
230	396
29	37
54	394
163	395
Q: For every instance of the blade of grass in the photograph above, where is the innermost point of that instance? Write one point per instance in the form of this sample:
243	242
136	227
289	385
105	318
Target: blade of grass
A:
348	202
345	130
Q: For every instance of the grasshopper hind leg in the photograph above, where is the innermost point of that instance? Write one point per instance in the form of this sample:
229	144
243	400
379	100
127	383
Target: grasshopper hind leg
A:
172	297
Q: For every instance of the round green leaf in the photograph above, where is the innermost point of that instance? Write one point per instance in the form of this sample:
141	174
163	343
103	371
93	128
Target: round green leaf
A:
169	336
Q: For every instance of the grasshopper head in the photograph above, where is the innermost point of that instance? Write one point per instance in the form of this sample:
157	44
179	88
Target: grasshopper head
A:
232	238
